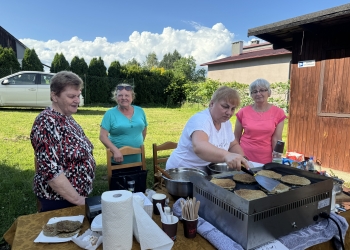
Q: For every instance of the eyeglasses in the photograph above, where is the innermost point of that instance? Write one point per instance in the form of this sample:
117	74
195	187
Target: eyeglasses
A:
121	87
258	91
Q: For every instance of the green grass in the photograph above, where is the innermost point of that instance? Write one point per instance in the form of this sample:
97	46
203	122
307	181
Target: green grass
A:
16	154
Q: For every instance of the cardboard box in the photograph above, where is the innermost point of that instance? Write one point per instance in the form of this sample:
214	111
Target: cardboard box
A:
92	207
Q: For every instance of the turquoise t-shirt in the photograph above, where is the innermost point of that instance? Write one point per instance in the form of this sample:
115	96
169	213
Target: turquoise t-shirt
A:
124	131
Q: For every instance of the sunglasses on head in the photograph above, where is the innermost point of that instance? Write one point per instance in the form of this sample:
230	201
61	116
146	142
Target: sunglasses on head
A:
121	87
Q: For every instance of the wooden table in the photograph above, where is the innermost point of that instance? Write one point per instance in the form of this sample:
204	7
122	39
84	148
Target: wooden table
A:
26	228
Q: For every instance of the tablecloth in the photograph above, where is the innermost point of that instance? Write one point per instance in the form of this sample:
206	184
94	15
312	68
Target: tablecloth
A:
26	228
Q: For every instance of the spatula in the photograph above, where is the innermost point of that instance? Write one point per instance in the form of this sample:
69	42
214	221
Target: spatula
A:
267	183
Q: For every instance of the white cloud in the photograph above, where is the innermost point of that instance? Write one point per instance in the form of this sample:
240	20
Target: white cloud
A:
204	44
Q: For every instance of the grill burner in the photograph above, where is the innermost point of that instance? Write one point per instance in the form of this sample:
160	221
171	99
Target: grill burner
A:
254	223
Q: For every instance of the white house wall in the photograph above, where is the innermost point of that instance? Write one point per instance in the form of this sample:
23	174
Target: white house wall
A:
274	69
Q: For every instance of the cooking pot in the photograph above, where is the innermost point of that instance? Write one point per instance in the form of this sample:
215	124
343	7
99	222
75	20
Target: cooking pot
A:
218	168
180	184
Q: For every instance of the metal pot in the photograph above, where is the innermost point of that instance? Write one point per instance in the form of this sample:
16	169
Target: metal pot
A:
180	184
217	168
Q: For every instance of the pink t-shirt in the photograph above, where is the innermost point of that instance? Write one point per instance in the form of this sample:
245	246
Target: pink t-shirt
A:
256	140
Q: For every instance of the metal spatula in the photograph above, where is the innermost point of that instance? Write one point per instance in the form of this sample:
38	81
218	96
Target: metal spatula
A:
267	183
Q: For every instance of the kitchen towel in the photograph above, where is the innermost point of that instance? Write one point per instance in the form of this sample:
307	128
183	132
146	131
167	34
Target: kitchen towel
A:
147	232
117	216
301	239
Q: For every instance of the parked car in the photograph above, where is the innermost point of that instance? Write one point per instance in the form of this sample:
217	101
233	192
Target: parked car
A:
27	89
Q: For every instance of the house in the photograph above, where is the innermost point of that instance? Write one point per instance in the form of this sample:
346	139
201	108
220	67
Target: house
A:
319	111
247	63
9	41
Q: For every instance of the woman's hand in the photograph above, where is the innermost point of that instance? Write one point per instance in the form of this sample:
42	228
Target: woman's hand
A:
235	161
117	156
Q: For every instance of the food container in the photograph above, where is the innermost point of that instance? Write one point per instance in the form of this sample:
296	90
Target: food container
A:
180	185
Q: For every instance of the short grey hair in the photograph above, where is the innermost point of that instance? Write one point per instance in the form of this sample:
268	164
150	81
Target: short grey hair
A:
63	79
262	83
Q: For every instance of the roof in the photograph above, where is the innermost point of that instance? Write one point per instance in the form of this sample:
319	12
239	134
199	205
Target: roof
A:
249	55
13	37
280	34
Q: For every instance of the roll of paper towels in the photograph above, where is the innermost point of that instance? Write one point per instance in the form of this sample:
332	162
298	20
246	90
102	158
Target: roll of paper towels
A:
117	219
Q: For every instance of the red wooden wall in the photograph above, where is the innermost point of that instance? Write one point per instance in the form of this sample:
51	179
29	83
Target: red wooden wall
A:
319	114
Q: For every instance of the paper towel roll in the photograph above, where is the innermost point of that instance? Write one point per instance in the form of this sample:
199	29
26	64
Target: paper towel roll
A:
117	219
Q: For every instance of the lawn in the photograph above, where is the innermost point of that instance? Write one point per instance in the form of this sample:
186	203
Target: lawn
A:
16	154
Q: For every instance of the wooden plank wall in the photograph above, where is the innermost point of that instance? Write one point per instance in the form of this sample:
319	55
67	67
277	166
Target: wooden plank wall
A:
327	138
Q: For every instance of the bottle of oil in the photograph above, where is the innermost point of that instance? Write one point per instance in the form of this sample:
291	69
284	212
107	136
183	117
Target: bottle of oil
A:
277	152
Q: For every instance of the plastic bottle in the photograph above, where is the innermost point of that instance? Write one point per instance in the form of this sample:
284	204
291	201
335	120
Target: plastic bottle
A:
310	166
277	152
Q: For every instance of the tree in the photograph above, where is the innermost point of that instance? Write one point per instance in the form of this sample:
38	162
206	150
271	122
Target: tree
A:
133	63
186	67
97	67
169	59
151	61
199	75
79	66
8	62
114	69
59	63
97	84
31	61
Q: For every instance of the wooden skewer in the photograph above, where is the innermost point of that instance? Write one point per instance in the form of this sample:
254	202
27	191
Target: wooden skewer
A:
196	209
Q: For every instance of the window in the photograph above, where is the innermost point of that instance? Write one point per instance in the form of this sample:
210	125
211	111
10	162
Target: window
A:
22	79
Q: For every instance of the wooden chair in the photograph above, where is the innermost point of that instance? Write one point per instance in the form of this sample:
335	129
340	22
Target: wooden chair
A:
125	151
169	145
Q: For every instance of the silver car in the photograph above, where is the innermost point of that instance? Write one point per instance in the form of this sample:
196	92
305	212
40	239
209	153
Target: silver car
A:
27	89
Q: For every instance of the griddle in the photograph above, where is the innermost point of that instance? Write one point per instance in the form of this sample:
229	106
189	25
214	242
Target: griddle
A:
256	222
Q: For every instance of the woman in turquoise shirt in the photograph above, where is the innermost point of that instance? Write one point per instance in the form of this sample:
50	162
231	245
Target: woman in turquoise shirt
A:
123	125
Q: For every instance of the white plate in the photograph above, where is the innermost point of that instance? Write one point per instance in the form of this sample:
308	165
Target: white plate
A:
46	239
96	224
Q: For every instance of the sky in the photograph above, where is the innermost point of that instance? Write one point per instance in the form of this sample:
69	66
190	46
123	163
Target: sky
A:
118	30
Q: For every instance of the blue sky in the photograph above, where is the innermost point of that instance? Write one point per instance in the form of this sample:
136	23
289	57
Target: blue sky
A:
122	30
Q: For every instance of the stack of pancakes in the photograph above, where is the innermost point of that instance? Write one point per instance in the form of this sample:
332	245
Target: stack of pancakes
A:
62	229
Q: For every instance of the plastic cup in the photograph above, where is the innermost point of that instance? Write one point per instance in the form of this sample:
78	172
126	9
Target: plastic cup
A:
131	186
158	198
190	228
170	227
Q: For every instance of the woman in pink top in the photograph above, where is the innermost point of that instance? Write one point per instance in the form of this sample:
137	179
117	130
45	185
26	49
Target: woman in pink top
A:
261	124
